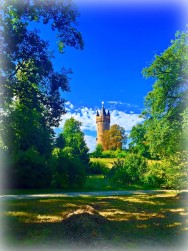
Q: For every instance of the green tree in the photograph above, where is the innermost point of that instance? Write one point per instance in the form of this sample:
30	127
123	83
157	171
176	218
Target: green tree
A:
138	142
74	138
60	141
30	95
67	170
165	104
166	115
98	151
114	138
131	170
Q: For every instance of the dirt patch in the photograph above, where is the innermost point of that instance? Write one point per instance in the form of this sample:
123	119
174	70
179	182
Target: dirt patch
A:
85	224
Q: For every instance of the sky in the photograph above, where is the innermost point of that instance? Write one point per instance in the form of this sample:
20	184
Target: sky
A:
121	38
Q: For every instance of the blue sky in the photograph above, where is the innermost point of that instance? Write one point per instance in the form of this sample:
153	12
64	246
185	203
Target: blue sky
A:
120	40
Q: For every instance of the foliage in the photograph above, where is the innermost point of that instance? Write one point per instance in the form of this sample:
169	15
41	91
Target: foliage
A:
171	172
155	175
177	171
114	138
67	170
114	154
129	171
98	167
74	138
30	95
97	152
27	71
29	170
138	142
185	129
24	128
60	141
165	104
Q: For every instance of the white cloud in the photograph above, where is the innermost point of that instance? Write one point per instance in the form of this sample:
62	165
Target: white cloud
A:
125	120
115	103
91	142
87	116
68	105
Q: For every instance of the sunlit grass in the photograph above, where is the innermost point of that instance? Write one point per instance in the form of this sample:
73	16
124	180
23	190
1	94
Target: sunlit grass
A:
108	161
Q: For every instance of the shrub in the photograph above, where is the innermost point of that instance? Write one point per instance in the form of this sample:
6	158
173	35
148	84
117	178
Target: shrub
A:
129	171
30	170
67	170
169	173
108	154
155	175
97	167
177	170
98	152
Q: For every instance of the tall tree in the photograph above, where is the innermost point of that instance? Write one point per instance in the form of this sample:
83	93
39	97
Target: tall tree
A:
114	138
138	142
27	72
165	104
74	140
30	95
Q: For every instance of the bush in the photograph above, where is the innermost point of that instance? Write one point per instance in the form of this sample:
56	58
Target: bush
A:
155	175
67	171
97	167
108	154
177	171
129	171
98	152
30	170
169	173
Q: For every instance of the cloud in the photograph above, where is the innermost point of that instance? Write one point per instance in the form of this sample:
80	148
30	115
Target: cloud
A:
125	120
117	102
91	142
87	116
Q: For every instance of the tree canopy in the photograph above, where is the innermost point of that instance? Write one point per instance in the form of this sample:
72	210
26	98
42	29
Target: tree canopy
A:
31	89
166	103
114	138
74	140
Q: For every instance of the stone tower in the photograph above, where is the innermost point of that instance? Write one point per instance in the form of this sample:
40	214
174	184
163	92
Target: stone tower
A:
103	123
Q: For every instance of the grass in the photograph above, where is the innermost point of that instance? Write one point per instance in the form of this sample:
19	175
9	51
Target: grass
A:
93	183
139	222
108	161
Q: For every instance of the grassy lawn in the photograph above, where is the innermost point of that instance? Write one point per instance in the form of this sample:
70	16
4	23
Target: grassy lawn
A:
139	222
108	161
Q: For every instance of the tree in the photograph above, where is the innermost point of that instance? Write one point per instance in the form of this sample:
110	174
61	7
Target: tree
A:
67	170
26	69
30	95
138	142
165	104
60	141
129	171
114	138
98	151
74	138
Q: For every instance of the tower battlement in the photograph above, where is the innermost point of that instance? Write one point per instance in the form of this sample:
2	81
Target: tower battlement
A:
103	124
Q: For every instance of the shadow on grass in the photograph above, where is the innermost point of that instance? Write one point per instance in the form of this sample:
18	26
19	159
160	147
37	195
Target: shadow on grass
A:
145	222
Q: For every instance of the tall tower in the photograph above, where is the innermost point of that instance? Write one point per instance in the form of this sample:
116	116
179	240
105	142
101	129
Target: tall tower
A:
103	123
